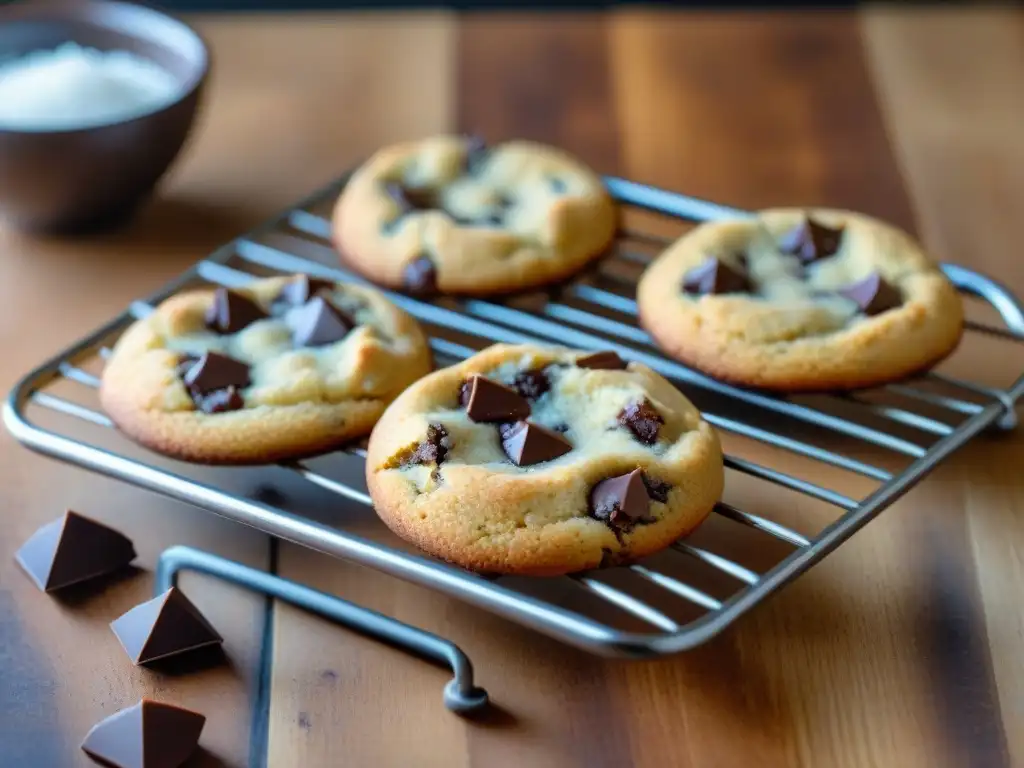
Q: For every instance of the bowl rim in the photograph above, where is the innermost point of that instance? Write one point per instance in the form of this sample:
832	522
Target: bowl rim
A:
25	10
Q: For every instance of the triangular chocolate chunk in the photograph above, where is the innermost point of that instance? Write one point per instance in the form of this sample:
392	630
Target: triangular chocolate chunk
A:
230	312
872	294
608	361
71	549
302	288
527	443
318	323
148	735
620	501
164	626
215	371
490	401
810	241
714	276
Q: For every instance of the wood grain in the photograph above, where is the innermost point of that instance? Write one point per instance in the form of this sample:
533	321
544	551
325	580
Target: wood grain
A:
903	648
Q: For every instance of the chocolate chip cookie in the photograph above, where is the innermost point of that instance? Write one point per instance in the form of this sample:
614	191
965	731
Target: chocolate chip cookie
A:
281	368
543	461
796	300
452	215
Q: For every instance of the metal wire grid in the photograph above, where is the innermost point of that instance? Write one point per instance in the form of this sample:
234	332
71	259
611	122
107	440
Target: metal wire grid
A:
588	313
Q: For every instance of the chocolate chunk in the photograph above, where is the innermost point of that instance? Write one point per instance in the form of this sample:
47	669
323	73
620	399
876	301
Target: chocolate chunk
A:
420	276
656	489
72	549
642	420
434	447
318	322
811	241
490	401
872	294
714	276
302	289
150	734
185	363
215	371
608	361
164	626
620	501
464	389
476	153
219	401
531	384
411	199
230	312
527	443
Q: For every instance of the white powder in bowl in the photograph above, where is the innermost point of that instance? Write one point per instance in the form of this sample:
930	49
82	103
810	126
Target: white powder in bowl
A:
76	87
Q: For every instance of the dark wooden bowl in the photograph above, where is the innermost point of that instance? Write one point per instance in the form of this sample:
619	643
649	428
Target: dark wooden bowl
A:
66	180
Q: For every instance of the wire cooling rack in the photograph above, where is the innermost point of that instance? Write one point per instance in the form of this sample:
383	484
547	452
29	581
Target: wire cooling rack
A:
880	442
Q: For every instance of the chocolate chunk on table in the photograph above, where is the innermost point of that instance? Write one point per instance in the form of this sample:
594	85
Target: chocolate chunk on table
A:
231	312
526	443
490	401
714	276
150	734
164	626
72	549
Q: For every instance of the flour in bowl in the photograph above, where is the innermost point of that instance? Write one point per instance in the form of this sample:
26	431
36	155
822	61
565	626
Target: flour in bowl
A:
75	87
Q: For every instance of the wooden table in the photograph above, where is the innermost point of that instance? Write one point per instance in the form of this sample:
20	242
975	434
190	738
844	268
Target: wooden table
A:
904	648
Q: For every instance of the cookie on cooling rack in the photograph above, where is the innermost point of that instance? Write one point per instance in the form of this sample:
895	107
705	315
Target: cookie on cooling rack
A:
451	215
543	461
795	300
280	368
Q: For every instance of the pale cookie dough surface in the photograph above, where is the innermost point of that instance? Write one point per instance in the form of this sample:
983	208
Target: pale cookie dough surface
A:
300	400
794	332
478	509
499	219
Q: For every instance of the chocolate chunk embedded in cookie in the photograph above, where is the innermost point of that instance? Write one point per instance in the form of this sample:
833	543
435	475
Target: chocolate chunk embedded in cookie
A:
795	300
454	215
606	465
281	368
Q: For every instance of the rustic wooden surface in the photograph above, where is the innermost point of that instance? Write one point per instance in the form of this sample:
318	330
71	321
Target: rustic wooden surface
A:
902	649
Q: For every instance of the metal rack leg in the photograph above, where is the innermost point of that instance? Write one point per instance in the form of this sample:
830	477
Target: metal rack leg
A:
460	695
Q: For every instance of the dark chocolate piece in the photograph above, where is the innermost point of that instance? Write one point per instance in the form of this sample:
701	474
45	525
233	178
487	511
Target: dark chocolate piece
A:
531	384
420	276
150	734
164	626
318	322
642	420
464	388
303	288
231	312
872	294
657	489
490	401
434	447
607	361
411	199
219	401
215	371
185	363
527	443
476	153
620	501
714	276
810	241
72	549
